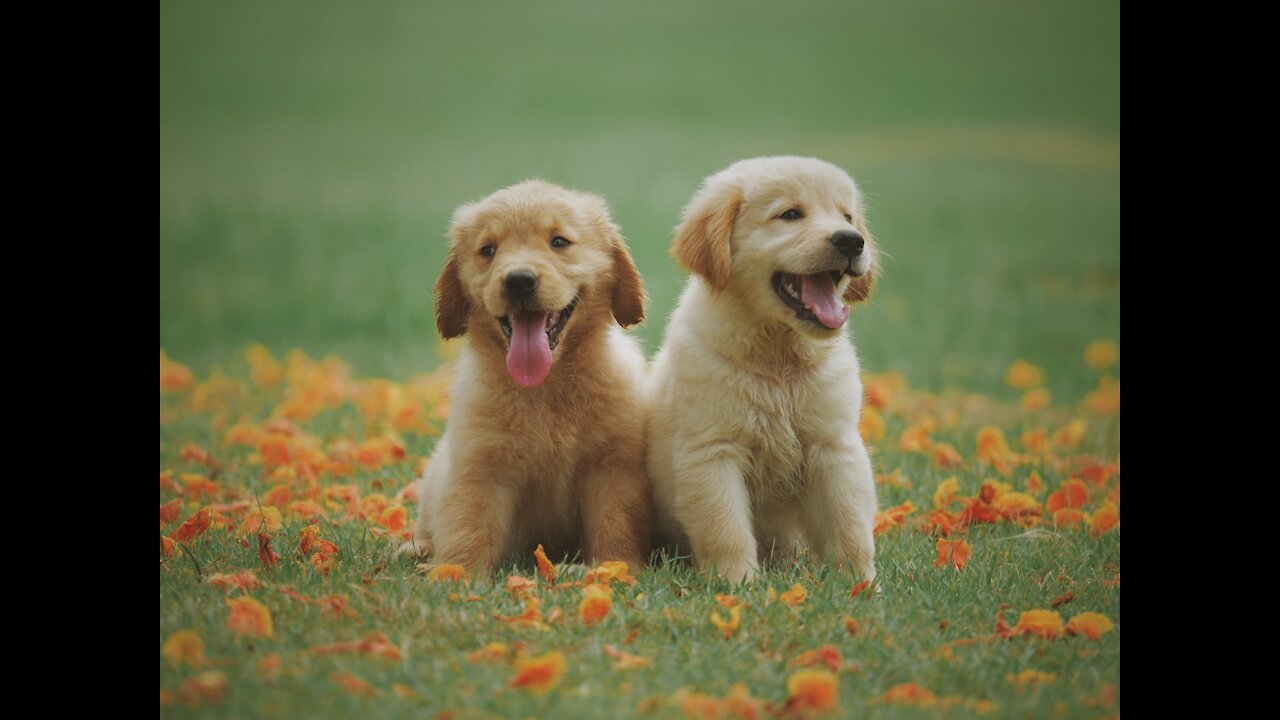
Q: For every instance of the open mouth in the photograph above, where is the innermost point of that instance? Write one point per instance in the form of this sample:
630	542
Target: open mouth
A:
532	335
814	298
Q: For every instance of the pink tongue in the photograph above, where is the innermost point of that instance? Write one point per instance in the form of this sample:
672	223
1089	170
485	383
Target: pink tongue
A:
818	294
529	359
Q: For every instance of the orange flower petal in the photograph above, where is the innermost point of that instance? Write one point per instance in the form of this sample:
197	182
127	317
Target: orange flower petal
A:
596	603
249	617
813	689
1044	623
539	675
1090	624
184	647
795	596
545	567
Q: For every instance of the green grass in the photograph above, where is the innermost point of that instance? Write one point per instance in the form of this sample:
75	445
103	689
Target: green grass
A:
310	156
902	637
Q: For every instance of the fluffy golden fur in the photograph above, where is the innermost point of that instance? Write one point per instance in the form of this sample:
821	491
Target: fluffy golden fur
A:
561	462
753	400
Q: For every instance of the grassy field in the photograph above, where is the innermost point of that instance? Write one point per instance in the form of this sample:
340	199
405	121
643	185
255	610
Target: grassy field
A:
310	155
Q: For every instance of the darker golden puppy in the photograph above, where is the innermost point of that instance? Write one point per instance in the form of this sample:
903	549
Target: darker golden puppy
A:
545	437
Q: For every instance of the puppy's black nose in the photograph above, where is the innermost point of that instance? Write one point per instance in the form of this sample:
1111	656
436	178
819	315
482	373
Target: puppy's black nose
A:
520	285
848	243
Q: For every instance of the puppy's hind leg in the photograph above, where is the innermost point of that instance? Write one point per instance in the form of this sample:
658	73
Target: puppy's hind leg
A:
840	507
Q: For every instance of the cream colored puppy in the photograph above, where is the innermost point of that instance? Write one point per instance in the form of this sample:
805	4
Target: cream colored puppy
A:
545	436
753	401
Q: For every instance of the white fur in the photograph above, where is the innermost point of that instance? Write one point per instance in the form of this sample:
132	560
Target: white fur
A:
752	415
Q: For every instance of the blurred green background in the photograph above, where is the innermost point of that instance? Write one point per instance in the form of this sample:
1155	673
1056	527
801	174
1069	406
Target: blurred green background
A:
311	153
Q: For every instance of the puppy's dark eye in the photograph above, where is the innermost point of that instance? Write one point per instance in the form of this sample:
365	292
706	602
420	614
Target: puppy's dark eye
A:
559	242
488	250
848	217
791	214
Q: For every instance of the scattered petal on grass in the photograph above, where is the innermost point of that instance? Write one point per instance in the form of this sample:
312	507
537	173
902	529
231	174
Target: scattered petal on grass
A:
531	617
194	527
1090	624
624	660
1070	435
394	518
1104	519
262	520
728	627
1022	375
539	675
549	571
447	573
184	647
917	438
1073	494
171	511
857	589
954	553
1033	401
893	517
826	655
871	425
1101	354
268	557
1031	678
909	694
269	667
520	585
729	601
947	490
946	457
209	686
169	546
376	645
493	652
404	692
1063	599
244	580
609	572
249	617
1067	518
851	626
1044	623
353	684
813	689
595	604
174	376
795	596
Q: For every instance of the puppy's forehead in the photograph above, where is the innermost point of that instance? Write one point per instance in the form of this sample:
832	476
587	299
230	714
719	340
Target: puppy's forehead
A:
800	180
532	207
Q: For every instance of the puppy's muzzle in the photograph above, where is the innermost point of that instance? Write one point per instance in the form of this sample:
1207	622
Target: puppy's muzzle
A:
848	243
519	286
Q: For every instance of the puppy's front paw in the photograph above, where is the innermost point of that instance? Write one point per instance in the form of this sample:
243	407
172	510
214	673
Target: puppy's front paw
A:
415	548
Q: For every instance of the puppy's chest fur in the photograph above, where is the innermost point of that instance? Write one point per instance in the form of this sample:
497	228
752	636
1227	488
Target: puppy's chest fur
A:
779	423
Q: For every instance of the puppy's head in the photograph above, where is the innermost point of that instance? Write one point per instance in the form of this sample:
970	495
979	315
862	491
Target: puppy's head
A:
532	267
786	236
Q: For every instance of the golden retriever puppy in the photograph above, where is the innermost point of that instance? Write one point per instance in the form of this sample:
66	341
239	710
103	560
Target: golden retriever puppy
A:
545	436
753	401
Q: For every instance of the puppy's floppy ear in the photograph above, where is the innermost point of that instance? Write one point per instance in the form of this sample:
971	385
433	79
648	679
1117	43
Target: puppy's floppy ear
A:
860	289
702	240
628	293
452	305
